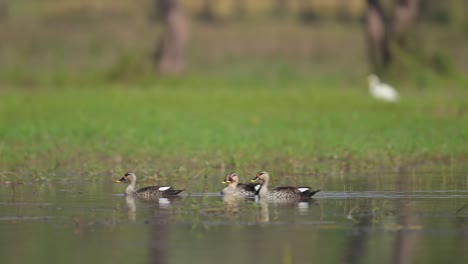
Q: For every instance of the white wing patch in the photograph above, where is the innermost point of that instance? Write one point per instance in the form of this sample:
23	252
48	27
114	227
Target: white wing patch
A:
303	189
164	188
257	187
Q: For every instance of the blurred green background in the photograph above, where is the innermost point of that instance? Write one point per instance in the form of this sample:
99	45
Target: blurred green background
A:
63	42
266	84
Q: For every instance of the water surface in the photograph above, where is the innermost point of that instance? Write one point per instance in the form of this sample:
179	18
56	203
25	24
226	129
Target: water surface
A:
397	219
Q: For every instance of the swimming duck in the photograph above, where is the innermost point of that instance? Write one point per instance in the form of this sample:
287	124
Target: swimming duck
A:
146	192
283	193
239	189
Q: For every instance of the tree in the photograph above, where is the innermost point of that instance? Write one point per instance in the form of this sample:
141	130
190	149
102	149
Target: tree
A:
3	10
207	13
240	8
376	35
170	53
380	36
404	15
280	7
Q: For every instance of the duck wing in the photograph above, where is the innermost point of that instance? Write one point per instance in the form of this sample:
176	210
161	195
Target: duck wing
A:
250	187
164	190
303	191
287	189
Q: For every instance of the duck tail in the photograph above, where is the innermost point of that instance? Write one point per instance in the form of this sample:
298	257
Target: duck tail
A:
173	192
311	193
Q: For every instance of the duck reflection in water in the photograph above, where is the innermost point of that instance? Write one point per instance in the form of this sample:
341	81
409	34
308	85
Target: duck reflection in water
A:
162	203
231	204
263	212
131	207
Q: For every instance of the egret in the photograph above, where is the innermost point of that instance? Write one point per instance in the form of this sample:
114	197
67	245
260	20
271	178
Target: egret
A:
380	90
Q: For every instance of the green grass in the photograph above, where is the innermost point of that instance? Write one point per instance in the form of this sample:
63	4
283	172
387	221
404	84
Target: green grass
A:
199	122
79	96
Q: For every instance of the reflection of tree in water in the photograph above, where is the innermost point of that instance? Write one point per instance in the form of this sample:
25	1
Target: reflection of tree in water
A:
356	242
159	229
370	212
406	239
159	239
461	225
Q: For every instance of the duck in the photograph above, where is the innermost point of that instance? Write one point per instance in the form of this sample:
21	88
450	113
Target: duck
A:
381	91
146	192
239	189
283	193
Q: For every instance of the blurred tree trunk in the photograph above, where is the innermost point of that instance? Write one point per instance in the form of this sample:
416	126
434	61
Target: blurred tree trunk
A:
376	35
170	54
404	16
207	13
343	13
380	37
3	10
307	12
240	9
281	7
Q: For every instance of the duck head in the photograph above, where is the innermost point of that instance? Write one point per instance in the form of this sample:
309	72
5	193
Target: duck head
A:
129	176
231	178
261	175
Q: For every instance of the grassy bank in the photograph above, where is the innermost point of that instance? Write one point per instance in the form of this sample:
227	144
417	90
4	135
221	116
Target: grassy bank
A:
192	124
79	96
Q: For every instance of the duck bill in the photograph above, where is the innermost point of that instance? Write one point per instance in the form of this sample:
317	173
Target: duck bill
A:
121	180
254	180
228	181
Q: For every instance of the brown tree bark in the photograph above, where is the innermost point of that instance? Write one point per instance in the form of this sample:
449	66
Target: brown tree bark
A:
379	36
240	8
344	11
170	54
207	13
376	35
3	10
281	6
404	16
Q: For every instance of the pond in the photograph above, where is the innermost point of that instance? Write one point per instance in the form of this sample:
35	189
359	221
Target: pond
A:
400	218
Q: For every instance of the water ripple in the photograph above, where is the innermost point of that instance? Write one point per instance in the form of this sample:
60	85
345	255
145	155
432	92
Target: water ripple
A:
395	195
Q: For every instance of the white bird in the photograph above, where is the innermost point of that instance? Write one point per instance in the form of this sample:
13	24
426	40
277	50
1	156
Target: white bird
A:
380	90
